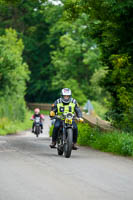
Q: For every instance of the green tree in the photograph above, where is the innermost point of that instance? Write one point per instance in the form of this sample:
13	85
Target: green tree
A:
48	36
76	58
13	76
111	26
27	18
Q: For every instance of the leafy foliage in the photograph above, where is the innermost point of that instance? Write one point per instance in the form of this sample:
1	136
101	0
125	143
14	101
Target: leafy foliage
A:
48	36
13	75
100	108
115	142
82	44
27	18
8	126
76	59
111	26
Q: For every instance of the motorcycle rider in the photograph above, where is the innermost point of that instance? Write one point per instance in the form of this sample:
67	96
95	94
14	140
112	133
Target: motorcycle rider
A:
37	114
65	103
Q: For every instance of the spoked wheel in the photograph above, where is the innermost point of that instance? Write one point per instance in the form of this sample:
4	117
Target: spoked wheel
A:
68	143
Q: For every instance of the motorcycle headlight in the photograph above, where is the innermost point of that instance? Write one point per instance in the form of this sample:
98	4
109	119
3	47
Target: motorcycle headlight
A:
69	116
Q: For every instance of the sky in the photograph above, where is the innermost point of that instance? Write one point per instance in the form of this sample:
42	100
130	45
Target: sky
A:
55	2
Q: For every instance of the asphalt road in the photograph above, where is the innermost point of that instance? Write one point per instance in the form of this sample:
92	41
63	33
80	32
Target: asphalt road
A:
30	170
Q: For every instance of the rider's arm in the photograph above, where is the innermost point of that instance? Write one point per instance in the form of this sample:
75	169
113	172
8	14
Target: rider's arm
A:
77	110
32	118
42	116
53	109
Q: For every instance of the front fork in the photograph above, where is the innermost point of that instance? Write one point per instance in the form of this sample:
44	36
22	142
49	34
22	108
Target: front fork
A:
65	132
64	135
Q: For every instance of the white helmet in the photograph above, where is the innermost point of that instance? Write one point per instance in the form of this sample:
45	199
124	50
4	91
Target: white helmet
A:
66	92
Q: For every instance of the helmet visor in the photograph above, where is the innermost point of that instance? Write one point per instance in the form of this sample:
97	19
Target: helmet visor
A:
66	95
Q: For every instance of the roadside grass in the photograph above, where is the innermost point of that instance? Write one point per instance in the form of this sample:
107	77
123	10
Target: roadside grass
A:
51	130
45	112
115	142
99	109
11	127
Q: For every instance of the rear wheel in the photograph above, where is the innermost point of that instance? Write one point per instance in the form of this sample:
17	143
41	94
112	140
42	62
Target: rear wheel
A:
37	131
60	152
68	143
60	145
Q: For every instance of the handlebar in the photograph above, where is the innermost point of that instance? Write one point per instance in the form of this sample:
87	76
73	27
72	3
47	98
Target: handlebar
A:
60	117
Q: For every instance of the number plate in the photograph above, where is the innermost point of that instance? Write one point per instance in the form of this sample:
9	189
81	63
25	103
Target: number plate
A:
37	119
68	121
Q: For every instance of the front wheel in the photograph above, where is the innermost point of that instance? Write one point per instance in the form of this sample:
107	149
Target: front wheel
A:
68	143
37	131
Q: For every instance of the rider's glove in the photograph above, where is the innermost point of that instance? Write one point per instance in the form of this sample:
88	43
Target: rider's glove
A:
52	113
81	119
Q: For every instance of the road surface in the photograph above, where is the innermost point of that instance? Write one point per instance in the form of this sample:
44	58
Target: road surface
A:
30	170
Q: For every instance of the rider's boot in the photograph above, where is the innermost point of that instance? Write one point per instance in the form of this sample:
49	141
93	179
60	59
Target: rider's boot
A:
41	130
74	147
32	130
52	145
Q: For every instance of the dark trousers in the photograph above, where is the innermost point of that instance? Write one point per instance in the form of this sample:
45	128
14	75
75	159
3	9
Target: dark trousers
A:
33	125
57	125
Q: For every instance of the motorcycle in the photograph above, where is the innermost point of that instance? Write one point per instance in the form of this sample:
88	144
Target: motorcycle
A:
37	127
65	134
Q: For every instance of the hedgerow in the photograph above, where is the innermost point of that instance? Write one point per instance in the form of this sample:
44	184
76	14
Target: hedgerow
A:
116	142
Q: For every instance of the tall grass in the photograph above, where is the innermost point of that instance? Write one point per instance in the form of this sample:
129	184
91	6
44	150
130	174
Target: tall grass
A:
116	142
12	109
99	109
8	126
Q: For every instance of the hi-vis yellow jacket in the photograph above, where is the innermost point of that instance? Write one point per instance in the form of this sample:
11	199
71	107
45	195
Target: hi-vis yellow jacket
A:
59	107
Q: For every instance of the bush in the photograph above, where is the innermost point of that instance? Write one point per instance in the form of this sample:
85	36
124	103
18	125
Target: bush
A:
13	76
100	109
8	126
51	130
115	142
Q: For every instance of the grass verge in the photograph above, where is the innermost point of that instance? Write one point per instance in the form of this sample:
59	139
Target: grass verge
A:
114	142
11	127
99	109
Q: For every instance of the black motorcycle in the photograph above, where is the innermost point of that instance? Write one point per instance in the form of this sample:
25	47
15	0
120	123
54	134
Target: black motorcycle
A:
65	135
37	127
